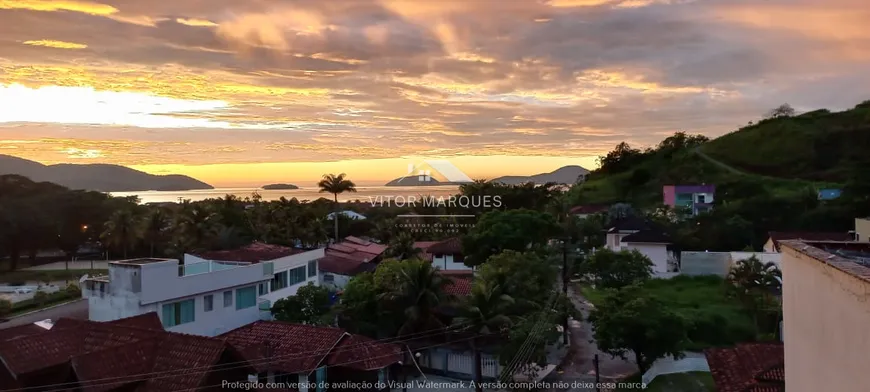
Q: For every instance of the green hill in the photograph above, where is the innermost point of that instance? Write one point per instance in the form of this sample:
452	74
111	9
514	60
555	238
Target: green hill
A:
816	146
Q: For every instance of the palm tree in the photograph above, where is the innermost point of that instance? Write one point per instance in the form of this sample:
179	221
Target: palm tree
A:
122	230
154	228
419	290
197	225
484	313
402	247
749	278
335	184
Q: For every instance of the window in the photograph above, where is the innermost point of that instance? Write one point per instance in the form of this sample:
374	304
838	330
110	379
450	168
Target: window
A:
328	278
246	297
279	281
312	268
296	275
228	299
702	198
178	313
264	289
208	303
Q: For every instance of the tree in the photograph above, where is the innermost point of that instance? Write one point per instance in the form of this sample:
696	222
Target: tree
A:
336	184
311	305
784	110
755	283
155	228
402	247
631	321
611	269
122	230
526	276
484	313
359	310
73	291
497	231
419	290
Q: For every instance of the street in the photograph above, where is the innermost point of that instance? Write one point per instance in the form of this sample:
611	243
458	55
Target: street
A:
76	310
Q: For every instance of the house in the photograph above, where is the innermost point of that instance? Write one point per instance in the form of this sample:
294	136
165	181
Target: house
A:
585	211
752	367
633	233
310	355
696	198
207	294
829	194
826	314
347	214
347	259
862	229
446	255
133	354
772	244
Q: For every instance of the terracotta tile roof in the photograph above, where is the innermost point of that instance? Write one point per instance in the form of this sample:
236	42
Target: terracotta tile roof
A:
20	330
450	246
355	249
115	350
589	209
461	283
148	320
302	348
253	253
423	245
337	265
752	367
777	236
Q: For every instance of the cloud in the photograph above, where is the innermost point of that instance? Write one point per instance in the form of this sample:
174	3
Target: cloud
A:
196	22
59	5
55	44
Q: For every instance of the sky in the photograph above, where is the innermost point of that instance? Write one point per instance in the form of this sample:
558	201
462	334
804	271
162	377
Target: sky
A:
237	92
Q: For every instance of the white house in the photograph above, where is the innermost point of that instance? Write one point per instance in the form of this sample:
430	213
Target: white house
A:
447	255
200	296
635	234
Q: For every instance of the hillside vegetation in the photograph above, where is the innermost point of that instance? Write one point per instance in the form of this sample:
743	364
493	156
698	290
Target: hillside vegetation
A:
818	145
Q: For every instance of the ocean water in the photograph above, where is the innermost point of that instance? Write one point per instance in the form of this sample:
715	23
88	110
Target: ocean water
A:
364	193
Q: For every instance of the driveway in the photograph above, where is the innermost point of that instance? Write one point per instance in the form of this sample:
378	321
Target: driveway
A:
76	310
579	363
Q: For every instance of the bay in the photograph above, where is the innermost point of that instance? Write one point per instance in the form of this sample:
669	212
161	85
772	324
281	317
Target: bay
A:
364	193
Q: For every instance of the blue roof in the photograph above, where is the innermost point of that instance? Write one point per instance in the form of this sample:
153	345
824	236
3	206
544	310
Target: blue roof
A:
829	194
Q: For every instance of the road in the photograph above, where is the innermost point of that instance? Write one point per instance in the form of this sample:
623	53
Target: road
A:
579	365
76	310
718	163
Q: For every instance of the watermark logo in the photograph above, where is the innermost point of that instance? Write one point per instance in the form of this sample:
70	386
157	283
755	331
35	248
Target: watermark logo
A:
424	171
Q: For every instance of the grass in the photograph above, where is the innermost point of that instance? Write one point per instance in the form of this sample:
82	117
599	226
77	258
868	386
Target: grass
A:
714	318
24	276
52	299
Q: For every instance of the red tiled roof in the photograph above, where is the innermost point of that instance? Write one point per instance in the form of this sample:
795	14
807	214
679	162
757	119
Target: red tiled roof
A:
450	246
588	209
753	367
148	320
353	248
423	245
97	351
302	348
20	330
461	283
253	253
342	266
777	236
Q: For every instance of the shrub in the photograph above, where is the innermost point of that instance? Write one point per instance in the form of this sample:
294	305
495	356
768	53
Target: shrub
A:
73	290
40	298
5	307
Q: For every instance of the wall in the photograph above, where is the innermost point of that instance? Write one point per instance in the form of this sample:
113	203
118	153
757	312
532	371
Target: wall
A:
862	229
764	257
705	263
160	281
290	262
658	253
769	246
339	282
221	319
826	315
447	263
669	195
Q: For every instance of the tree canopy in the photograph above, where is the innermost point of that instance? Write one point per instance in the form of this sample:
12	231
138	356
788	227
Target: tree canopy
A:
610	269
498	231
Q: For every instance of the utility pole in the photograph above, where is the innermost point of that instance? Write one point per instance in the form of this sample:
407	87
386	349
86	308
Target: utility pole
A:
565	287
597	376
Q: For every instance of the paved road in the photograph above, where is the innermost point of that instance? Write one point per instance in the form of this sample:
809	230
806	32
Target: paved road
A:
578	364
76	310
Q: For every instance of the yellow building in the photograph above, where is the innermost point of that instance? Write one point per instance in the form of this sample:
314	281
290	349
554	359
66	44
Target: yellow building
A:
862	229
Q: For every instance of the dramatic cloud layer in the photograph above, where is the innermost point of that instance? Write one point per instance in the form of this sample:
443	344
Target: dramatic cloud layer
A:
192	82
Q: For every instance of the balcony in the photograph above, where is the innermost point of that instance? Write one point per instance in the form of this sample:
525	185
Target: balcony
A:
265	307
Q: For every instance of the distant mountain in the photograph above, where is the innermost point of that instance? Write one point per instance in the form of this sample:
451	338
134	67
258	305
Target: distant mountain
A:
563	175
98	177
279	186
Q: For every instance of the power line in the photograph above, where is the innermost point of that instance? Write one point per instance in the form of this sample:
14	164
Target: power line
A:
314	353
525	349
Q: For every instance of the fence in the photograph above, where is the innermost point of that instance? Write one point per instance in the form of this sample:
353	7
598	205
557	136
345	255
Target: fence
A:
458	364
692	362
719	263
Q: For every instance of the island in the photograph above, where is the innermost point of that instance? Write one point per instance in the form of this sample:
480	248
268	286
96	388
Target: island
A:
272	187
415	181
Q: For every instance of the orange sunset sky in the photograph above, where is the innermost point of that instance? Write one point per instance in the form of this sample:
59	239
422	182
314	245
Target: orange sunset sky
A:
241	93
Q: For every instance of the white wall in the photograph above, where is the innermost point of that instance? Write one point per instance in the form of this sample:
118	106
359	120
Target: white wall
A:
339	282
826	314
764	257
447	263
657	253
291	262
219	320
160	281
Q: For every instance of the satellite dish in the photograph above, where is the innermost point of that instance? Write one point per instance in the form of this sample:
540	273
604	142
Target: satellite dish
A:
83	278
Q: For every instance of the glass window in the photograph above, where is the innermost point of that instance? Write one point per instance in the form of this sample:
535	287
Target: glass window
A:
228	299
279	281
208	303
178	313
264	288
296	275
312	268
328	278
246	297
